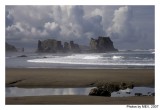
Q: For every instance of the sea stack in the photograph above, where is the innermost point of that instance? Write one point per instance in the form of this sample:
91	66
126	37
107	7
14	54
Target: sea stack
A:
49	45
54	46
74	47
102	44
10	48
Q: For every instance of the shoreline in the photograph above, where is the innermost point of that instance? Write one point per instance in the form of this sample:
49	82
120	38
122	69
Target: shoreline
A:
87	68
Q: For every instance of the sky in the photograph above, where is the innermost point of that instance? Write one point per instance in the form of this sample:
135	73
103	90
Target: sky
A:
129	27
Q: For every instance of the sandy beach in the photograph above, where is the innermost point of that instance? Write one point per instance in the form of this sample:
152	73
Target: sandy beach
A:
42	77
70	99
76	77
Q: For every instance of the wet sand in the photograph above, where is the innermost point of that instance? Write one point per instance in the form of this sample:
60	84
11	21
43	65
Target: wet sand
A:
76	77
80	100
42	77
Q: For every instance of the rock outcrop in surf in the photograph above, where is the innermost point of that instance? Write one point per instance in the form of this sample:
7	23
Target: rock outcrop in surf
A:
54	46
102	44
49	45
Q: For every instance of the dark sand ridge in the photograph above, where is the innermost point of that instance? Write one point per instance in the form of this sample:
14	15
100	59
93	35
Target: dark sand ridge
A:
77	78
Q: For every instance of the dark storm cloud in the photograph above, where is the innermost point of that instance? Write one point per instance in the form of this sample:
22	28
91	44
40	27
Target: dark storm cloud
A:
129	27
9	18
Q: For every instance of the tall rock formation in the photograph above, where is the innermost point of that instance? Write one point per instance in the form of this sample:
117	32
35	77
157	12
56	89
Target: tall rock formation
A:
74	47
66	47
52	45
10	48
102	44
49	45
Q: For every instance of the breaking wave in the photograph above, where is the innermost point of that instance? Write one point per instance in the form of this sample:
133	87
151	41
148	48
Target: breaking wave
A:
117	57
96	59
121	59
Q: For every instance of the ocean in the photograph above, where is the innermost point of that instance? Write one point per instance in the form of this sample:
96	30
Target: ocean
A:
124	59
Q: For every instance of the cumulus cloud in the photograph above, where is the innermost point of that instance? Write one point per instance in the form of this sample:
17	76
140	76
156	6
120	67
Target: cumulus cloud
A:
121	27
25	25
52	28
124	31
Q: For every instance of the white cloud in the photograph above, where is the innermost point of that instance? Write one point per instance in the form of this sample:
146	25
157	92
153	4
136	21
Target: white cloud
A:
97	11
121	23
127	31
51	26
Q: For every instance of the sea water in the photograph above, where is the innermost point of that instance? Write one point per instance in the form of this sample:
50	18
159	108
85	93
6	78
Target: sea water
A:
113	60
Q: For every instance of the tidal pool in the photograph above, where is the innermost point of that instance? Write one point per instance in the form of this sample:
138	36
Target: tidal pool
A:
21	92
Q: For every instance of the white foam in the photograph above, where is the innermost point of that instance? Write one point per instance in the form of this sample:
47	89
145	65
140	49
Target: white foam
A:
83	56
84	62
131	92
117	57
95	59
92	57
